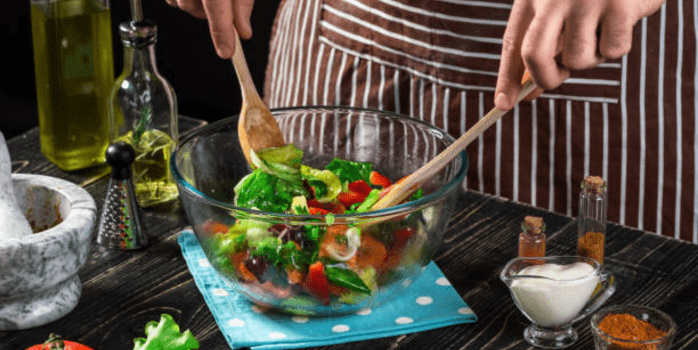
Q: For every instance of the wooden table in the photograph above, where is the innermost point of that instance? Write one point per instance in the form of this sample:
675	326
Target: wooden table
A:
122	291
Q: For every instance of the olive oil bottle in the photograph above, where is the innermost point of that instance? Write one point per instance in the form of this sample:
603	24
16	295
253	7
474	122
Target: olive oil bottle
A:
143	113
73	64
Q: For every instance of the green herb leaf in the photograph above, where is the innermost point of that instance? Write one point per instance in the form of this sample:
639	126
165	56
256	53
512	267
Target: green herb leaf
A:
347	279
142	125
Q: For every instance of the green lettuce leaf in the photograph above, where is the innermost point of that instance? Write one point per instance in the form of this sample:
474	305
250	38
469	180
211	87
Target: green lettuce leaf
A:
350	171
165	335
266	192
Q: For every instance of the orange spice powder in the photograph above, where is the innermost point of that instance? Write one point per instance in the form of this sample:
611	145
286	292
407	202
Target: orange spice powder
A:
630	328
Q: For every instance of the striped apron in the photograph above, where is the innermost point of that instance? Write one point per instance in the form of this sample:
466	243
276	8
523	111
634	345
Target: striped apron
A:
631	121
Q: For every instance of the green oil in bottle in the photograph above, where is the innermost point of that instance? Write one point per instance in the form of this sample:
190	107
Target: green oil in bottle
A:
73	64
152	180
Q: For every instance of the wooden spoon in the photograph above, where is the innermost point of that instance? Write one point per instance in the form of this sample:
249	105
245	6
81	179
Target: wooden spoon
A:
402	189
257	128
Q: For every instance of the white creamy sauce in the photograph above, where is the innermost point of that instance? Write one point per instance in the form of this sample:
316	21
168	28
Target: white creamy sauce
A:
557	299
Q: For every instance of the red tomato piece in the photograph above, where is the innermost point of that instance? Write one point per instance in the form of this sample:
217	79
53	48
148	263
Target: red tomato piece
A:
316	283
332	207
238	261
317	211
360	187
401	236
213	227
379	179
349	198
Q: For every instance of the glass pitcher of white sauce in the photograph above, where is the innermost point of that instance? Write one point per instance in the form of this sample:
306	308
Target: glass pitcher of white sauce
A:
554	292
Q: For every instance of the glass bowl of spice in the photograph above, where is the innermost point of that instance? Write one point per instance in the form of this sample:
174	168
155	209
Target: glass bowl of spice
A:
632	327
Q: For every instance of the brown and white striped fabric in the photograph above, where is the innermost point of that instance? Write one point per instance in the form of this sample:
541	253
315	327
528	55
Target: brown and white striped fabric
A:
631	121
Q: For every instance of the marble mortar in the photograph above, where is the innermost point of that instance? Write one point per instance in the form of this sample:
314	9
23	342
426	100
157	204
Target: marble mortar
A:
39	280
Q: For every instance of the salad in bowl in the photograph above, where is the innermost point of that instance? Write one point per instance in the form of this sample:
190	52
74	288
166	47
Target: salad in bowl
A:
295	231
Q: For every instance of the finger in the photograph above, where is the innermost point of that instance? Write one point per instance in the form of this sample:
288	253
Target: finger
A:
534	94
511	66
220	23
192	7
539	48
616	32
580	39
243	12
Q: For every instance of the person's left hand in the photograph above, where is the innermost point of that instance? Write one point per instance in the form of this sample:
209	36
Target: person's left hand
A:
548	38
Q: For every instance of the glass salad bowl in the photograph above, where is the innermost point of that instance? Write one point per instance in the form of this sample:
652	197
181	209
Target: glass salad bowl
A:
297	233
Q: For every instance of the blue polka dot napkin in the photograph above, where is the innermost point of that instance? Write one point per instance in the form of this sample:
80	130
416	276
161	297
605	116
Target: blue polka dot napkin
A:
430	302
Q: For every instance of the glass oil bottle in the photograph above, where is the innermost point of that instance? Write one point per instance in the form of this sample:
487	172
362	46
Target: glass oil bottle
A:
143	113
74	69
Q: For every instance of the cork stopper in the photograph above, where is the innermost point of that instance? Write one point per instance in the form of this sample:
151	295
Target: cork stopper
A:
533	225
594	184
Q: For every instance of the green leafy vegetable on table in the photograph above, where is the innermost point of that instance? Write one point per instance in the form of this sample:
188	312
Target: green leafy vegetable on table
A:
165	335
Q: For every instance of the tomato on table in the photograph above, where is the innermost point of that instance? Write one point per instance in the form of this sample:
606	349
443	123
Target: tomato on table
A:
56	342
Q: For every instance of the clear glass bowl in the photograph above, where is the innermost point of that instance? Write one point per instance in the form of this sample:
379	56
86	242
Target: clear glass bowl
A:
655	317
209	163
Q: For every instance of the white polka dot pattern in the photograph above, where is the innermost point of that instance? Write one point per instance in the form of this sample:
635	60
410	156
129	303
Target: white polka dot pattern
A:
465	311
443	281
248	325
404	320
364	312
340	328
204	262
220	292
236	323
299	319
424	300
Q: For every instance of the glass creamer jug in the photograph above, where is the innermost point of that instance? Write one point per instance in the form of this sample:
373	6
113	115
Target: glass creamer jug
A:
73	64
554	292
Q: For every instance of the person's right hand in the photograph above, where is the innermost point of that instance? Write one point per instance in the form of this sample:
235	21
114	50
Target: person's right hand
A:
549	38
226	18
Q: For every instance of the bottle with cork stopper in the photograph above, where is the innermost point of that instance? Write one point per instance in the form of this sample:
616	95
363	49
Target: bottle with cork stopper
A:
532	237
591	220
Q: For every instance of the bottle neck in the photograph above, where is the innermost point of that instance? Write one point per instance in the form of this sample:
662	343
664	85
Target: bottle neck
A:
593	205
139	59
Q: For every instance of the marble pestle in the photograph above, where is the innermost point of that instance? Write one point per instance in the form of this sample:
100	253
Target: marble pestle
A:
13	223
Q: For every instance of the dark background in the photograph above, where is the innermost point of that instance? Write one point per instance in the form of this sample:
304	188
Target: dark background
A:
206	85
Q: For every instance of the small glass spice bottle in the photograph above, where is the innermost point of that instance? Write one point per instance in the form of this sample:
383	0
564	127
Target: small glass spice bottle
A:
532	237
591	220
143	113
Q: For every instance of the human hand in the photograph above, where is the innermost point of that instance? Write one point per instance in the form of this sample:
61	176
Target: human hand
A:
548	38
226	18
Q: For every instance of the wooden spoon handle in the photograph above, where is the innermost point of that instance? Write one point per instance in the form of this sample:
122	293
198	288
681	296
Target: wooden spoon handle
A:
250	95
407	185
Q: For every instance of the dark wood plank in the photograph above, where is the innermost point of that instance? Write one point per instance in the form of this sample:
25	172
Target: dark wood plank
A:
124	290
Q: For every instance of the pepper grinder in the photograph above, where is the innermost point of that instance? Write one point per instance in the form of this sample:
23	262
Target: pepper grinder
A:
120	224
